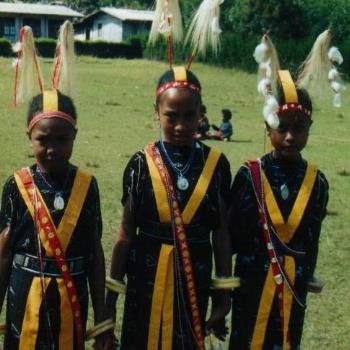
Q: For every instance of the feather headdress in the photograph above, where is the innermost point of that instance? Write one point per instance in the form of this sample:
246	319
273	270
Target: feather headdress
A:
167	21
63	75
204	30
320	66
28	79
266	56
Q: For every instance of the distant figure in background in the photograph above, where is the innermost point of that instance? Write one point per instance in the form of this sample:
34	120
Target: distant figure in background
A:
225	131
203	126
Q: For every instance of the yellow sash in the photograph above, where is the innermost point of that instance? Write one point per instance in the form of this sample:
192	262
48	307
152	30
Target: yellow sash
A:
163	294
285	231
198	193
65	230
162	301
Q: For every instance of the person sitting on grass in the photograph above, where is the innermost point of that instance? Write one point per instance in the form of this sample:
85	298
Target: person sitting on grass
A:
203	126
225	131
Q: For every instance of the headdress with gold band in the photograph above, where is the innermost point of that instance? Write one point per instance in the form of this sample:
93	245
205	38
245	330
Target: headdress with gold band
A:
28	76
203	32
319	67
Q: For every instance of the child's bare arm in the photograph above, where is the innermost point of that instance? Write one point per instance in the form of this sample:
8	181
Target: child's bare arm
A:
5	263
120	253
97	279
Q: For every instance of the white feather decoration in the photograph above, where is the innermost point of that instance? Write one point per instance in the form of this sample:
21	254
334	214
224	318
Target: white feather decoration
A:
264	86
335	56
272	120
314	70
17	47
64	74
29	79
204	30
260	53
336	87
167	19
333	74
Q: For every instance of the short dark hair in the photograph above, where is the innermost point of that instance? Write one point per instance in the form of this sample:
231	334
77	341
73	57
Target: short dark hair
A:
226	113
169	76
65	104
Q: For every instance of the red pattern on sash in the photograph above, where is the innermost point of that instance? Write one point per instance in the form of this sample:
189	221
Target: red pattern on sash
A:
180	234
45	224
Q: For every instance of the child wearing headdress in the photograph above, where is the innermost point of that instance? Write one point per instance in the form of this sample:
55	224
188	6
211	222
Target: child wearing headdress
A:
175	195
51	226
278	203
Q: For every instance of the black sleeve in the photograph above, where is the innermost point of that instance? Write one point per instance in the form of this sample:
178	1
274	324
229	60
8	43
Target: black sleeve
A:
9	203
319	210
96	207
224	179
242	214
133	178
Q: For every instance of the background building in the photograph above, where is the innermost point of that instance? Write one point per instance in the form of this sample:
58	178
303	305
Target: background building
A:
112	24
44	19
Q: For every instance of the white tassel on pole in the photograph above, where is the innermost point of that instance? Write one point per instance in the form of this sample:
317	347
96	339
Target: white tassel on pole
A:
63	76
266	56
28	80
314	70
167	21
204	30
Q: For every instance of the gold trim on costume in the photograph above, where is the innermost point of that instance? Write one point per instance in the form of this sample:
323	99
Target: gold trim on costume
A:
198	193
285	231
288	86
225	283
162	302
50	101
180	73
64	232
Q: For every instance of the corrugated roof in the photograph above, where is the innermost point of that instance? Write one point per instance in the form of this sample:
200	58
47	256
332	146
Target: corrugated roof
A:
129	15
38	9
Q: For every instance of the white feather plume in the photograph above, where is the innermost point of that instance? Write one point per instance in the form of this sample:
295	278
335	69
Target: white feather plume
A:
264	86
204	30
272	120
29	80
335	56
260	53
336	86
64	74
167	19
337	100
333	74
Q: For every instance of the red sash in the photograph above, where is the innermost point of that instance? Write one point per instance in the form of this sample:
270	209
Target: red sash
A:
51	242
180	233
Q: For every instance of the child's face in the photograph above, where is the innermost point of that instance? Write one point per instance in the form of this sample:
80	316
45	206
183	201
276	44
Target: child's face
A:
179	112
52	140
291	136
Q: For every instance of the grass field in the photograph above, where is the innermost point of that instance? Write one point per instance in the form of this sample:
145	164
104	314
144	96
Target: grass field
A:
115	107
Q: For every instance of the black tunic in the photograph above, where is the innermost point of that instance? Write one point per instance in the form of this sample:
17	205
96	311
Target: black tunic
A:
145	250
252	261
22	240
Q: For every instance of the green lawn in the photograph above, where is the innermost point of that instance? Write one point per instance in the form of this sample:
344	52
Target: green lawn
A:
115	107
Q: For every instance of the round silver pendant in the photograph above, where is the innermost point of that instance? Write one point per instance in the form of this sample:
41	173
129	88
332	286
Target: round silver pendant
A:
58	202
182	183
284	191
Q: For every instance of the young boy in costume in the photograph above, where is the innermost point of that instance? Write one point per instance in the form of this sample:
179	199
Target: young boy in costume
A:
50	222
278	205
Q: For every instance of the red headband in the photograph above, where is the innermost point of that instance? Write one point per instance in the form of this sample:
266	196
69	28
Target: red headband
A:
46	115
294	107
177	84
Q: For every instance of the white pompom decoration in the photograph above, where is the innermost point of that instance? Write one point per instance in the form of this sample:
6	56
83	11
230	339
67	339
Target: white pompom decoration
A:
272	103
264	86
337	100
260	53
335	56
215	26
333	74
336	87
17	47
272	120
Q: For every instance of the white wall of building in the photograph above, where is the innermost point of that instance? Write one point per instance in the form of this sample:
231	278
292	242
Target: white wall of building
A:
106	28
